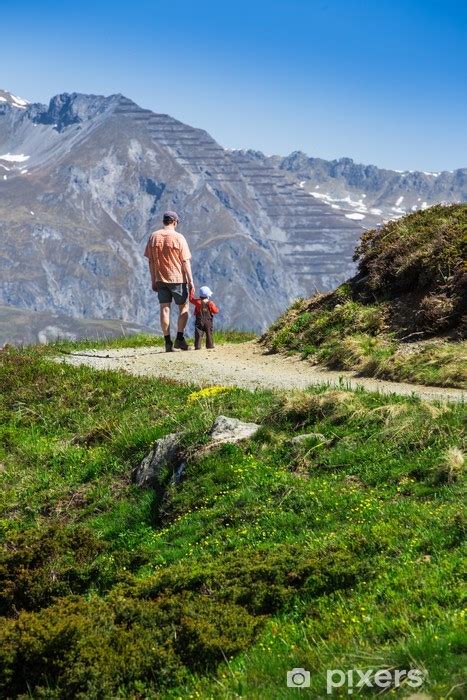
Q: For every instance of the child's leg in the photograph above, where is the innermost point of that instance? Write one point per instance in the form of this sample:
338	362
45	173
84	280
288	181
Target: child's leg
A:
198	337
209	336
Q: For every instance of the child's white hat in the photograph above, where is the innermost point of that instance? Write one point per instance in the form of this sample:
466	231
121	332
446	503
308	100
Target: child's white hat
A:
205	292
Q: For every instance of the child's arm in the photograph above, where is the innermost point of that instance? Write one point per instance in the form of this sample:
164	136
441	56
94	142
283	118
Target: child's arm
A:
192	296
213	307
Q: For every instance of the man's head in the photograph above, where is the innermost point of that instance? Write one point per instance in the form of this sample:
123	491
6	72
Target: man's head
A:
170	217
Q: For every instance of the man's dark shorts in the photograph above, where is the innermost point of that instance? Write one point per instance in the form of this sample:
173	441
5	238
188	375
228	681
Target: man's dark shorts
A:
172	291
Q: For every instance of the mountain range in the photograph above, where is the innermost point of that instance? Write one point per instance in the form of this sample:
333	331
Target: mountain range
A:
86	178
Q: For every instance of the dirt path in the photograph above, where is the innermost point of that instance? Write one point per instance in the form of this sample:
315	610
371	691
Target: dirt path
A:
243	365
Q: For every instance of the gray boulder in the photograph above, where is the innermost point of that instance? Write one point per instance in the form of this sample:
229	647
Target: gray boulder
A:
166	453
178	473
231	430
299	439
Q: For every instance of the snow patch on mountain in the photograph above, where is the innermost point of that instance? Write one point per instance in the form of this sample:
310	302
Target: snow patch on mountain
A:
355	216
358	204
19	101
13	100
14	158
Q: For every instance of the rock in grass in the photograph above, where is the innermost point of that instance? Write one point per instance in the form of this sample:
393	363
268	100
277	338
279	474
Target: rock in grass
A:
178	473
166	453
299	439
230	430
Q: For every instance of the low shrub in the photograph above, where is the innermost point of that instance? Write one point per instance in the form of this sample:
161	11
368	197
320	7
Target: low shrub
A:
261	581
81	648
38	565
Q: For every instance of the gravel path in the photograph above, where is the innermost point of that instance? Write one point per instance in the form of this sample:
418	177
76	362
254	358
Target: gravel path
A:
243	365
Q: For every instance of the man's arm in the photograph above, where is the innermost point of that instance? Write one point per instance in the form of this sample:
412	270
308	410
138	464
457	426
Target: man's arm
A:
152	263
186	267
185	257
153	271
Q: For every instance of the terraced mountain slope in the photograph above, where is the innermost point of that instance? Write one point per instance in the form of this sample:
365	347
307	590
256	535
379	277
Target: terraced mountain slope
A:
87	178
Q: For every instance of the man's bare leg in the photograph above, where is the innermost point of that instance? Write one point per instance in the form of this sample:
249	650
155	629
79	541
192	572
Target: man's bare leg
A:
165	326
165	319
182	317
180	342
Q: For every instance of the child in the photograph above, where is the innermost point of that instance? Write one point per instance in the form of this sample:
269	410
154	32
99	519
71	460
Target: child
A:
204	312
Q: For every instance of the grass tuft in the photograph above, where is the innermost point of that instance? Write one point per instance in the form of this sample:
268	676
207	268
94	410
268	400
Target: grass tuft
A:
453	466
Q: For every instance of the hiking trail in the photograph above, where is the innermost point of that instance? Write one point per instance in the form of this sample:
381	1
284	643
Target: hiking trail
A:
245	365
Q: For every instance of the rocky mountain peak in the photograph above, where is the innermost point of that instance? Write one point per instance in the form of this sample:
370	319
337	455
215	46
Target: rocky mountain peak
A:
7	97
73	108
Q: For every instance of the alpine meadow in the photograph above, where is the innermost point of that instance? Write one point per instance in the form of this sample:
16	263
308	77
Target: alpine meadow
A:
233	350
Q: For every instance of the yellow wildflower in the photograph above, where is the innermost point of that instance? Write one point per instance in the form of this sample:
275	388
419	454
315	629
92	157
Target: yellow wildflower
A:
208	392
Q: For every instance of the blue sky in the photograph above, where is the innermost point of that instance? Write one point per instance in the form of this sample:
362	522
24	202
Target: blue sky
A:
381	81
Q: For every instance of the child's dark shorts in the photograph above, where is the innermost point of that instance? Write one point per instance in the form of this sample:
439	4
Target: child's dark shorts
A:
172	291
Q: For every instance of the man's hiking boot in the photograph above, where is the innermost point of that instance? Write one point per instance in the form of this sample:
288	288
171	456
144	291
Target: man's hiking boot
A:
169	346
181	344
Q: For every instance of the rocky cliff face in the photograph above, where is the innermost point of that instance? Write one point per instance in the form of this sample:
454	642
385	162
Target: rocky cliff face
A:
84	180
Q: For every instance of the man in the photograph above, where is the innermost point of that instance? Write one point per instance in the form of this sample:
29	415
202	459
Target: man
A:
169	263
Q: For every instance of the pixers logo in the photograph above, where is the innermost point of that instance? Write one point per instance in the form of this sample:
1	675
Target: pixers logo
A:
298	678
356	679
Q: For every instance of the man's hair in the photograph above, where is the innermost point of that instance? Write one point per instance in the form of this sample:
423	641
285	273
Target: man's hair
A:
168	220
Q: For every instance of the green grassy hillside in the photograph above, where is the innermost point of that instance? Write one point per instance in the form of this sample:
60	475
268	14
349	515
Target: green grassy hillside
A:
342	551
401	316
